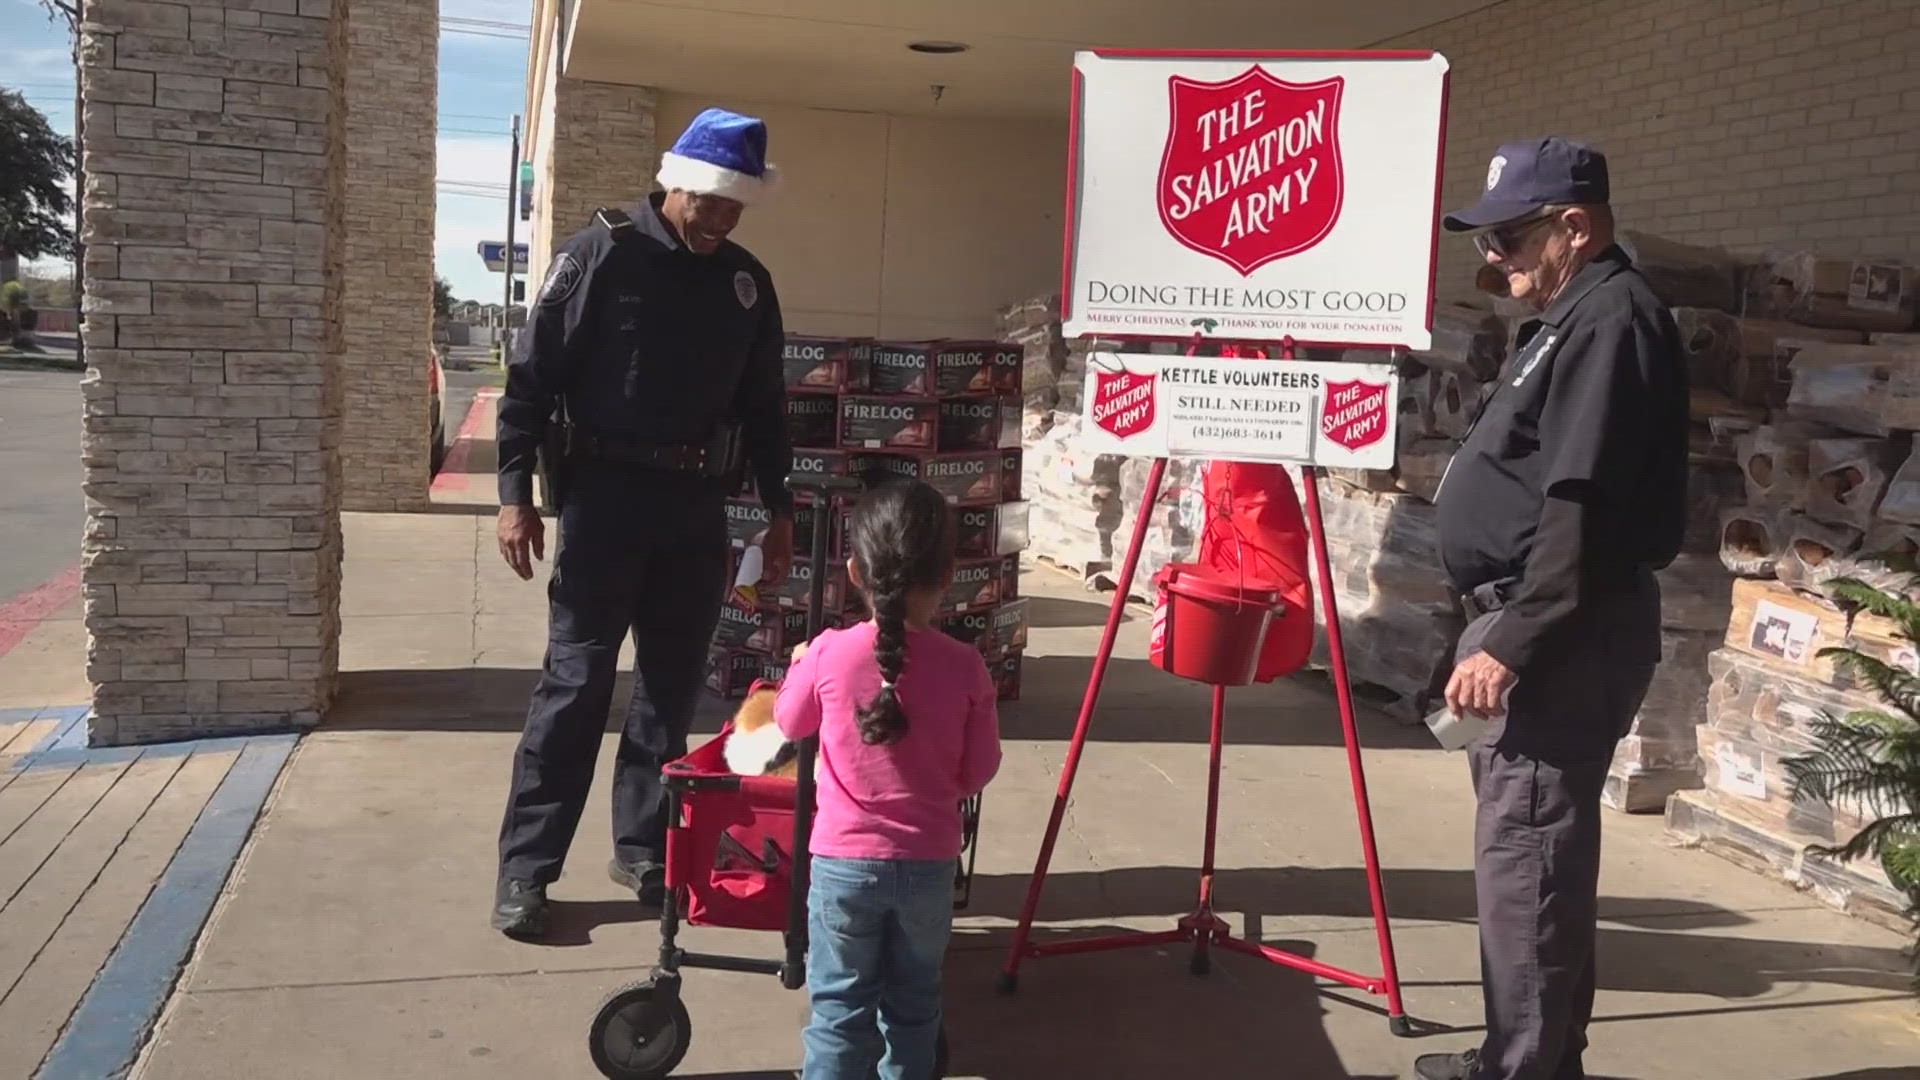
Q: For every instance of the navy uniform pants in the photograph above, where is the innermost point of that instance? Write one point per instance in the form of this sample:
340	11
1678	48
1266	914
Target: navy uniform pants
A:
635	554
1537	780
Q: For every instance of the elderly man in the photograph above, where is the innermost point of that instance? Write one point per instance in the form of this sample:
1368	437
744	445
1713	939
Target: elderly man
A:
1568	492
650	360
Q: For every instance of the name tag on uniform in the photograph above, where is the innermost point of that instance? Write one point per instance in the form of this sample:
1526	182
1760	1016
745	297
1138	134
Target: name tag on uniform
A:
1535	353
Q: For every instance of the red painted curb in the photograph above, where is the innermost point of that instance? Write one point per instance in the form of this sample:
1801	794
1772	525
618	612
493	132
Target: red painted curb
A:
20	615
453	471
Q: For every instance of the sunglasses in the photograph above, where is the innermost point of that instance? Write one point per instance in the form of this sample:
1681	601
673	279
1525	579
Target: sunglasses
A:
1502	240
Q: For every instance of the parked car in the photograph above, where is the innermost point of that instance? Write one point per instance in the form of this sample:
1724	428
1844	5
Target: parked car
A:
436	412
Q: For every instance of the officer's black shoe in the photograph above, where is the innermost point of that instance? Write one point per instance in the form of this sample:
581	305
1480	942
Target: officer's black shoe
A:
1447	1066
648	880
520	908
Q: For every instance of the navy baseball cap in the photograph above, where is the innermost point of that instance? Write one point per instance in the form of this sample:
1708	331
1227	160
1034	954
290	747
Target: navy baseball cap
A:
1525	176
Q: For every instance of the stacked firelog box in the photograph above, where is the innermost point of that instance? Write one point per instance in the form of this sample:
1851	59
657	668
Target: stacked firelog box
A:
944	412
1829	480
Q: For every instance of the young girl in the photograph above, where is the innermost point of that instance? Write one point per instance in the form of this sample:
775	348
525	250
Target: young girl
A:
909	727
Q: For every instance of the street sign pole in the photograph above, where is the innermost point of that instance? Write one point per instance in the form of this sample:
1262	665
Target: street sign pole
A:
513	204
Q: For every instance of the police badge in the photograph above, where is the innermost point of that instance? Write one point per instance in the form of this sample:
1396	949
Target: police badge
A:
745	290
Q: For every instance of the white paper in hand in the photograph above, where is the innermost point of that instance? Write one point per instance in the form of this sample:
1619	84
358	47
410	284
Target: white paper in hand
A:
1456	731
746	584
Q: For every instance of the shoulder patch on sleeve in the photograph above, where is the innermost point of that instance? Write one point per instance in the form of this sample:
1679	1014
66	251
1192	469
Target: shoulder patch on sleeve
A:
563	277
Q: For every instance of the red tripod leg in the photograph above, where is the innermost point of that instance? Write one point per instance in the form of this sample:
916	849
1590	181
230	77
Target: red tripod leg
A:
1203	918
1396	1014
1009	978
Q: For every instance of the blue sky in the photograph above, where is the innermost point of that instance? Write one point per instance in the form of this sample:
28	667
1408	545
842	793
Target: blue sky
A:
482	84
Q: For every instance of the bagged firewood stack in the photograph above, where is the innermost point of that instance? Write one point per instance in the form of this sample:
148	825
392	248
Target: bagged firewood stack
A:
1830	471
1034	325
1767	686
1685	275
1082	508
1830	486
1853	294
1397	617
1742	357
1659	754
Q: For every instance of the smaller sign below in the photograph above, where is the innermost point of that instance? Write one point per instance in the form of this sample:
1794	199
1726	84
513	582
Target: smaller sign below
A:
494	254
1331	414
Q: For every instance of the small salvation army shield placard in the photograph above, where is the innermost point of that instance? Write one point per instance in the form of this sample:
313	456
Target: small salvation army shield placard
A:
1123	402
1355	413
1252	170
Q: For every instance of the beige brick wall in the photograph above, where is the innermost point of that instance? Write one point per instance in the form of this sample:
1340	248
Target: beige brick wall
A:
1748	124
603	153
387	303
212	546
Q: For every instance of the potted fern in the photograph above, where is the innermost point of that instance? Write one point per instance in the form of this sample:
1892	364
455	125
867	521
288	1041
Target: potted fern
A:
1871	757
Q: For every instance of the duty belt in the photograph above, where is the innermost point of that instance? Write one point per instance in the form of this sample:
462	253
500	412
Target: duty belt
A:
589	447
1487	597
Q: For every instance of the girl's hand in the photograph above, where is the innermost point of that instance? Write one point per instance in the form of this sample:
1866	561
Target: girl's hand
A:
799	651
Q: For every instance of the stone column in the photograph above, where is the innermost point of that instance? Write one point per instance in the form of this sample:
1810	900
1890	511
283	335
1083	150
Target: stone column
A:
212	545
600	151
392	87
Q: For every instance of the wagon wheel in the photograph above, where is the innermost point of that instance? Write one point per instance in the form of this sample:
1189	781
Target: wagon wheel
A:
640	1033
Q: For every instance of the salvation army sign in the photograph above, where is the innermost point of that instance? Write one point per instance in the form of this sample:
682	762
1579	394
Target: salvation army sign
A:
1276	192
1254	196
1337	415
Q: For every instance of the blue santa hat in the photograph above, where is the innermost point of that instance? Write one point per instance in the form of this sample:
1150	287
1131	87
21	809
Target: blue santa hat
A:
721	153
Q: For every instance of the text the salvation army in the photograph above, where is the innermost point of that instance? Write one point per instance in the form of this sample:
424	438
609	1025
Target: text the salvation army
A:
1356	405
1125	407
1262	175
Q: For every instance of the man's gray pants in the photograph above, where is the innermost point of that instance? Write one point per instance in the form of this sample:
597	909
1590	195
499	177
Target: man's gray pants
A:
1537	778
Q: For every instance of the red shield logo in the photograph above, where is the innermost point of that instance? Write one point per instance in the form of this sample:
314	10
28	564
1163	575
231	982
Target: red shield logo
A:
1252	172
1123	403
1355	414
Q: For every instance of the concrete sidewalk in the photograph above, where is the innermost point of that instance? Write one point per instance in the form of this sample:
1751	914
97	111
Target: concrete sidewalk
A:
351	937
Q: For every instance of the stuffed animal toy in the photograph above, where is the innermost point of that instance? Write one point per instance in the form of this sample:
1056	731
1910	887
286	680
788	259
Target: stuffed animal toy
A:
756	747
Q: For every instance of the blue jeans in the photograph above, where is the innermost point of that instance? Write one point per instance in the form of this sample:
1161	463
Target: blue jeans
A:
877	934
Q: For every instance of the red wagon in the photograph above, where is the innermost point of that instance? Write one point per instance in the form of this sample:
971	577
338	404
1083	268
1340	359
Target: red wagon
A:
737	857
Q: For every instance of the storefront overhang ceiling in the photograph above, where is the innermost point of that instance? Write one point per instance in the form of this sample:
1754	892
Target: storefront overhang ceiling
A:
856	55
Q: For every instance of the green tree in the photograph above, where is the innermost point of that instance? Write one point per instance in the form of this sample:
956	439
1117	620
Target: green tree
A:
442	299
35	164
1870	759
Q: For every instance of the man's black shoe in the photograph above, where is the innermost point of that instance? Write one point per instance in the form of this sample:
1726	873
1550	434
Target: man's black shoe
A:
520	908
647	880
1447	1066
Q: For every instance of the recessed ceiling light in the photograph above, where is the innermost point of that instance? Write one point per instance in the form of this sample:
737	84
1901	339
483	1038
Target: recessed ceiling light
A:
942	47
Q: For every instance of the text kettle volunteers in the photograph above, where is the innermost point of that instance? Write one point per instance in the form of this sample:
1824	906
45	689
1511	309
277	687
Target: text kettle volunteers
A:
1568	492
647	378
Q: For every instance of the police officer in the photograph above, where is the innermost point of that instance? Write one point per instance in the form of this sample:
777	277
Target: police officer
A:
1567	494
648	370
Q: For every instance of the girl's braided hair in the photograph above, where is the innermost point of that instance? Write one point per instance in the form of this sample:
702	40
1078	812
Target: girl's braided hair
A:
903	543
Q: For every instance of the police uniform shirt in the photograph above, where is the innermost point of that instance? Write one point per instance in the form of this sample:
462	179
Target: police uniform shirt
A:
1573	477
652	344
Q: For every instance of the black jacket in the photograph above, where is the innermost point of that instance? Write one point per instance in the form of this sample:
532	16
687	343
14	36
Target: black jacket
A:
650	343
1572	483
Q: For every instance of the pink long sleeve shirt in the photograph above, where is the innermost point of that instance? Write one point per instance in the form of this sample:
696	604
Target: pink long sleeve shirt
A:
899	801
